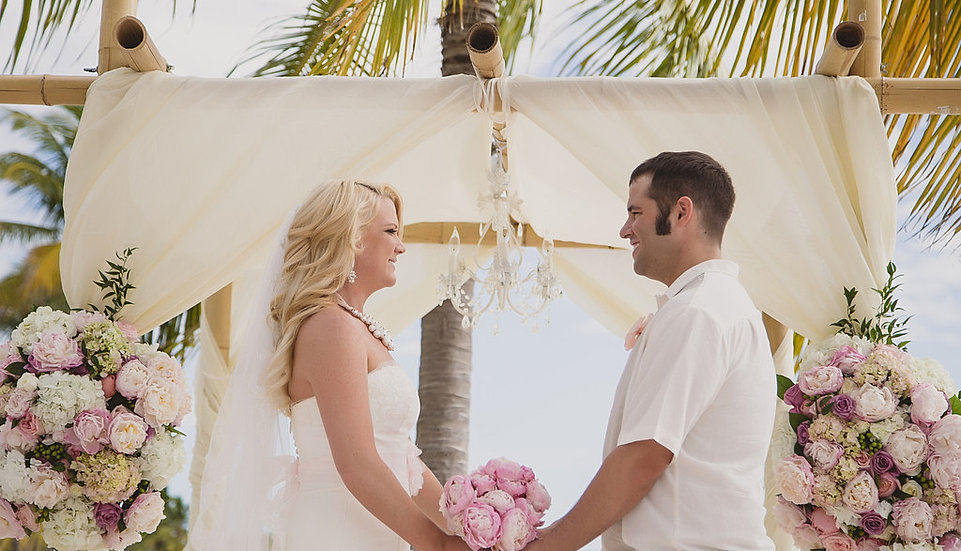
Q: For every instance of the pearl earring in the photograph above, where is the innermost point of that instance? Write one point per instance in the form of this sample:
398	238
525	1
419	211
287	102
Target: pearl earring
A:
351	276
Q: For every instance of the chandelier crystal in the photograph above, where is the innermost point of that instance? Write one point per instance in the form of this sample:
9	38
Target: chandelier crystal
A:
498	283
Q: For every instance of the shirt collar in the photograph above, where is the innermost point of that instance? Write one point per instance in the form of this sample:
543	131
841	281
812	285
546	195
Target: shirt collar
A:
714	265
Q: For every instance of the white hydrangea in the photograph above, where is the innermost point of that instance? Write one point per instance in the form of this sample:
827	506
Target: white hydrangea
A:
886	427
784	437
884	508
843	516
927	370
42	320
72	527
820	353
14	477
61	396
162	457
146	352
28	382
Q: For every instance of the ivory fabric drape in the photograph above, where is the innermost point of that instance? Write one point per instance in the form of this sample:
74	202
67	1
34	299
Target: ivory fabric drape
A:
200	173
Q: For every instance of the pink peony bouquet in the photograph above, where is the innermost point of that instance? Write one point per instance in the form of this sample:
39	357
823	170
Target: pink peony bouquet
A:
498	506
88	436
872	457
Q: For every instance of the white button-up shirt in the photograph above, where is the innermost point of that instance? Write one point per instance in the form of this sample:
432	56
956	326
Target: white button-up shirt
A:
700	381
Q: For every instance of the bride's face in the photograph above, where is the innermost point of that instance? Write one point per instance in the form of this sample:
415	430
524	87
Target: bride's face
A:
375	263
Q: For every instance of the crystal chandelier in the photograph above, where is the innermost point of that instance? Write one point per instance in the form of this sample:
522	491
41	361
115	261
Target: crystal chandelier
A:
498	284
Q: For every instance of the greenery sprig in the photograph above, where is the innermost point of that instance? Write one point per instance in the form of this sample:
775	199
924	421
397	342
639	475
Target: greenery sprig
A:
885	326
115	284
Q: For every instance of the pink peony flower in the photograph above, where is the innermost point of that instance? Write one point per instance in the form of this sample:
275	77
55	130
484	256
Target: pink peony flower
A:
8	355
838	542
18	402
806	538
48	487
129	331
946	470
457	495
795	479
31	426
500	500
861	493
788	515
912	520
13	438
928	404
945	435
482	526
824	379
54	352
846	359
533	517
870	544
483	482
908	449
132	379
537	496
10	525
824	523
874	403
89	431
824	453
516	531
145	513
127	431
510	476
28	518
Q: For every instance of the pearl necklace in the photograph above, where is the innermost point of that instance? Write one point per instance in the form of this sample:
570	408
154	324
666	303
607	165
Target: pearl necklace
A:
376	329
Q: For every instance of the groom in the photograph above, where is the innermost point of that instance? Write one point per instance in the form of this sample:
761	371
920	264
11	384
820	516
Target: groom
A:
693	412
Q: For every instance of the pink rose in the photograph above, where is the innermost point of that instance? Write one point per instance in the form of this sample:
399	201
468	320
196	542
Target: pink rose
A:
846	359
516	531
823	523
887	485
874	403
945	435
483	482
10	526
861	493
950	542
128	331
482	526
457	495
928	404
28	518
806	538
824	379
824	453
109	385
838	542
127	431
500	500
912	520
55	352
946	470
31	425
14	438
908	448
795	479
537	496
788	515
89	431
18	402
870	544
145	513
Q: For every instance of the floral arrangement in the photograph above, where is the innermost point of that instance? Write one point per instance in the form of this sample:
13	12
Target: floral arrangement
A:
88	418
872	456
498	506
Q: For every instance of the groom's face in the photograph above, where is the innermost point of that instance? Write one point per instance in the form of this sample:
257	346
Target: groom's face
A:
651	251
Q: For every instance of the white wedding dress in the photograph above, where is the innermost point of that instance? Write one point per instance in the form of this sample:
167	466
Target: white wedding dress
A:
323	515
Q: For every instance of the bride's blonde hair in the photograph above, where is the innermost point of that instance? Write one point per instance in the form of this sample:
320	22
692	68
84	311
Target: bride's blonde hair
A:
324	236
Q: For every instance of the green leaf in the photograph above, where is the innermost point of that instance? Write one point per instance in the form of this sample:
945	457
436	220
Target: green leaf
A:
956	404
796	419
783	383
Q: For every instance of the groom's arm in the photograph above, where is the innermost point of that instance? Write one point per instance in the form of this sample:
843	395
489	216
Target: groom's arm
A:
625	477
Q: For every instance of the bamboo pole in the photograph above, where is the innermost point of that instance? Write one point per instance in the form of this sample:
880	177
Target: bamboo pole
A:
487	57
776	331
44	89
216	309
110	54
138	51
842	48
868	13
929	96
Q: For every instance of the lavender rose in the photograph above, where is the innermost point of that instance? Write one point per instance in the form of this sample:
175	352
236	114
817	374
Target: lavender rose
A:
950	542
107	515
457	495
847	358
820	380
882	462
795	479
803	436
516	531
912	520
873	523
482	526
794	397
928	404
844	406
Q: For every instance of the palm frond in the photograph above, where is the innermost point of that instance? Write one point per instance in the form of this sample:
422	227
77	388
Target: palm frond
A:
517	20
342	37
26	234
177	336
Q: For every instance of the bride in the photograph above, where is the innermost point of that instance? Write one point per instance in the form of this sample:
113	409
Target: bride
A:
357	483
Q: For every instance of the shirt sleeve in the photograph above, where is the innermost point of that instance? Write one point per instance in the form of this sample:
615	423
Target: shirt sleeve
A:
676	378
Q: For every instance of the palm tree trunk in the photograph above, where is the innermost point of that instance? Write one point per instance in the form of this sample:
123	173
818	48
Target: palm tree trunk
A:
445	358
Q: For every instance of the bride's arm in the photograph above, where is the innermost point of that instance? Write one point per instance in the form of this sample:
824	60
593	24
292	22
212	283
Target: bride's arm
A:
428	498
329	353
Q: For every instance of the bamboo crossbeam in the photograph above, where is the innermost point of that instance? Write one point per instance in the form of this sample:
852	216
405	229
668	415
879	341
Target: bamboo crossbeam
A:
843	47
928	96
44	89
440	232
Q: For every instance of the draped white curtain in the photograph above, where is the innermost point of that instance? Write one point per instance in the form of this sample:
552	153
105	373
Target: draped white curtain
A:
199	174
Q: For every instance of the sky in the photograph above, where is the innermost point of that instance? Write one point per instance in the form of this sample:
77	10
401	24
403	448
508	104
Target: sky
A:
538	397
